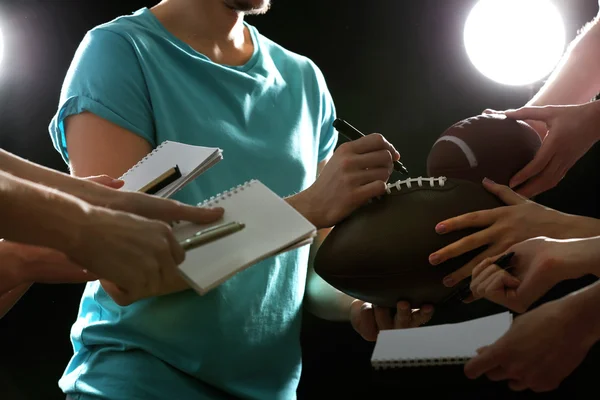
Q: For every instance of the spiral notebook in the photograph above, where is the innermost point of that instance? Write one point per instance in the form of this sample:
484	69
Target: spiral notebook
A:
448	344
191	161
272	227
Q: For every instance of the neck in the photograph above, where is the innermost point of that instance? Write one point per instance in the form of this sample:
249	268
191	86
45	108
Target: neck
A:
206	21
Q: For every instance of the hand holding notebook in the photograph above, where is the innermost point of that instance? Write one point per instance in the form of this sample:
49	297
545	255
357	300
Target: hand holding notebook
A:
270	227
257	223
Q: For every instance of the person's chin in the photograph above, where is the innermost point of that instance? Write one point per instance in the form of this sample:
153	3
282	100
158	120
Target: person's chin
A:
250	7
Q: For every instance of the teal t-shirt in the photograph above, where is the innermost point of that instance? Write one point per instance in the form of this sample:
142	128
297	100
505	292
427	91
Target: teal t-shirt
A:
273	119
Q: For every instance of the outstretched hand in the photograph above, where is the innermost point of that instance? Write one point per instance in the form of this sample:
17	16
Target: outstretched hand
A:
129	244
500	228
26	264
537	265
571	131
145	205
540	349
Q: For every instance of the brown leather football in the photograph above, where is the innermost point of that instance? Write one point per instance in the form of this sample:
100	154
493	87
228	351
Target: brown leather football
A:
380	253
487	145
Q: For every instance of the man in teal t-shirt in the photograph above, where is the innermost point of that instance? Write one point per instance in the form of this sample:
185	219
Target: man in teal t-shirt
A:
193	71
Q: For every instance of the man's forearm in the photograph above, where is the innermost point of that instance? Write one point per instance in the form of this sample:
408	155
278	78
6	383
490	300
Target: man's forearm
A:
24	169
322	299
37	215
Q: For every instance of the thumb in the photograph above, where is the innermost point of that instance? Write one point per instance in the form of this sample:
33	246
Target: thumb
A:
530	290
545	113
504	193
535	166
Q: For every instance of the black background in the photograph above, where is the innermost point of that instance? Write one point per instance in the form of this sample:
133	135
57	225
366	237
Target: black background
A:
395	67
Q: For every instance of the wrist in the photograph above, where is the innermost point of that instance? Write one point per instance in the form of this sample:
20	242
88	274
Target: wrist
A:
582	307
575	226
81	220
303	203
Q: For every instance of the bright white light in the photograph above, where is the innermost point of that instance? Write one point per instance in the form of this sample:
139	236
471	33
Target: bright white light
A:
514	42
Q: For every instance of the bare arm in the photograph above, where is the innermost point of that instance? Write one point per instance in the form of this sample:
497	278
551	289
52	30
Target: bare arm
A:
36	215
30	171
99	147
584	303
576	79
322	299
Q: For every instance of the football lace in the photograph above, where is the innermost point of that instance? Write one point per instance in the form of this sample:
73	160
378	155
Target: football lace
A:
418	181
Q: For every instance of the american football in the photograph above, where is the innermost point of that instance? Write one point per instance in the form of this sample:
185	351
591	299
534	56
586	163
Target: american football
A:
379	254
486	145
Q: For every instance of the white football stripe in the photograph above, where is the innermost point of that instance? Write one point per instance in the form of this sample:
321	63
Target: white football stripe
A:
463	146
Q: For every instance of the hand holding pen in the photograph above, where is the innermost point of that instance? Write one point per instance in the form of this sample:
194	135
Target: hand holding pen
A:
351	133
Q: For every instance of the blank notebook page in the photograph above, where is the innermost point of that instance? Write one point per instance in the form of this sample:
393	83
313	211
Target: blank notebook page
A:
272	226
438	344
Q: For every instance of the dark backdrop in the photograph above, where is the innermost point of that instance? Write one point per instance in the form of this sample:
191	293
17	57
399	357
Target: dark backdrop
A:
395	67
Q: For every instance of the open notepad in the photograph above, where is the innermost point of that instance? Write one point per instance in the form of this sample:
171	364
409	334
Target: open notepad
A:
447	344
192	161
272	227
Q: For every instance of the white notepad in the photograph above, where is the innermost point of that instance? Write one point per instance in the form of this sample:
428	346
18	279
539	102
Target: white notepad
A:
447	344
192	161
272	227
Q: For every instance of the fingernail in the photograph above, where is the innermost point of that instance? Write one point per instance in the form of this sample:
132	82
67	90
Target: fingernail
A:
404	305
448	281
434	259
427	309
441	228
487	180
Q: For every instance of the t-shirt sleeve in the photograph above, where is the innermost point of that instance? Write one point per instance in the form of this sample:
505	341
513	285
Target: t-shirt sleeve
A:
328	136
105	78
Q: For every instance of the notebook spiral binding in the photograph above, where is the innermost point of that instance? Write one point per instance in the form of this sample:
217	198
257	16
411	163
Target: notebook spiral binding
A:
214	200
143	160
428	362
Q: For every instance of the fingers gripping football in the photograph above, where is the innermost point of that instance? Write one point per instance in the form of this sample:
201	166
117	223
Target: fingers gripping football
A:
497	229
368	320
